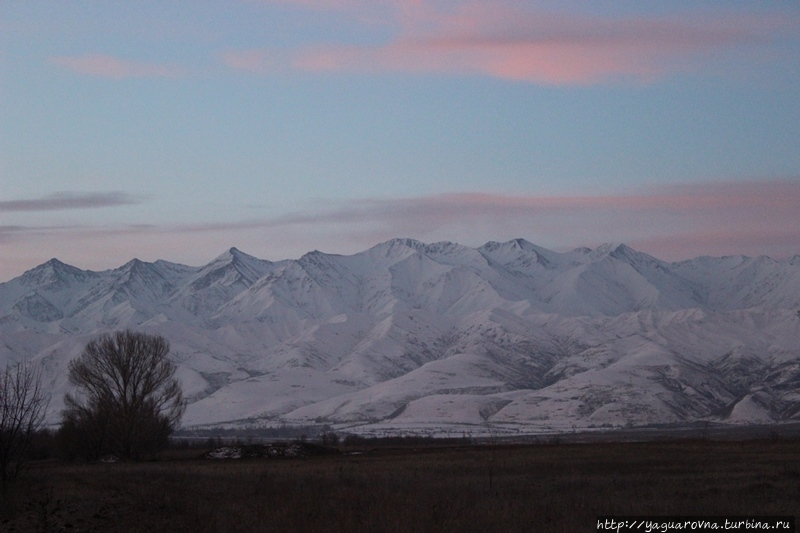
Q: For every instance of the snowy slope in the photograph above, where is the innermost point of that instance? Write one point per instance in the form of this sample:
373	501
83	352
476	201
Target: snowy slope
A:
409	336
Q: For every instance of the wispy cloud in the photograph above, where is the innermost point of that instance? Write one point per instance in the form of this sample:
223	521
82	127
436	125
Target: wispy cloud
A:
315	4
7	232
106	66
510	42
255	61
70	200
672	223
710	199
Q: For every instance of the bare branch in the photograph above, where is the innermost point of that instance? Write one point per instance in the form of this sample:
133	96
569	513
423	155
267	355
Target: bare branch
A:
129	394
22	408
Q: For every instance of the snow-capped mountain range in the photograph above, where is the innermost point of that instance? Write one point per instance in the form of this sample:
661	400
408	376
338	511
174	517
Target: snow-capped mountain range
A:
408	336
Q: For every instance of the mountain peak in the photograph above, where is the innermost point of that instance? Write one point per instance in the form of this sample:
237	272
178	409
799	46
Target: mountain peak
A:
231	268
137	267
227	255
621	252
397	247
52	272
238	254
312	257
55	265
234	255
513	244
522	243
408	243
614	249
139	271
520	252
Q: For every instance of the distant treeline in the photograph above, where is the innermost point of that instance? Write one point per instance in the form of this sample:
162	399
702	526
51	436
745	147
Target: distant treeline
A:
358	441
322	433
256	433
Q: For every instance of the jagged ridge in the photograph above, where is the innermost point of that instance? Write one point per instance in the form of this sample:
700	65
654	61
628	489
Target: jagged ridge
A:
413	335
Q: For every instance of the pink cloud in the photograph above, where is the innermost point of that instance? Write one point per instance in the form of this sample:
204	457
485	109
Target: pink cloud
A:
340	5
531	62
516	43
546	49
254	61
105	66
314	4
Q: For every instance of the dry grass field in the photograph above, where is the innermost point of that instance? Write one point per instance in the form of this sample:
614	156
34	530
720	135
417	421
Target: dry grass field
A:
546	487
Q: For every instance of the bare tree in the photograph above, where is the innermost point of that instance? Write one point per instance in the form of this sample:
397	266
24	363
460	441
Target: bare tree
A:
22	408
129	400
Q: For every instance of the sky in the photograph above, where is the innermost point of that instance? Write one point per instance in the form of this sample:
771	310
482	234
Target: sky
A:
176	130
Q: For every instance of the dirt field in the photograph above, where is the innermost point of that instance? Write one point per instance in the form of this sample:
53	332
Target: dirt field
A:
545	487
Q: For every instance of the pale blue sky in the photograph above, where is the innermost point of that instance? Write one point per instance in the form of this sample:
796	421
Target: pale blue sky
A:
176	130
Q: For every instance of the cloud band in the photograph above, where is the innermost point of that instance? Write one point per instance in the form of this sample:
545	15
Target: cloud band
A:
70	200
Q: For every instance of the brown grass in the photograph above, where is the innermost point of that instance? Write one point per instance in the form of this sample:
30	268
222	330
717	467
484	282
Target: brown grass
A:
494	488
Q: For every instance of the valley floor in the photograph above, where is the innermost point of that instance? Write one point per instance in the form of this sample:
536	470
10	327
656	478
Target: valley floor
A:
542	487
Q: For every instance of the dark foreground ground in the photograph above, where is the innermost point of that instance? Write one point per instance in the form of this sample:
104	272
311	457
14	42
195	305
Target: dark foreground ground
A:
544	487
